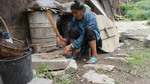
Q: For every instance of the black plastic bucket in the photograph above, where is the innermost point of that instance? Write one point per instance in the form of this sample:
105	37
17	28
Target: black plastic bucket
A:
17	70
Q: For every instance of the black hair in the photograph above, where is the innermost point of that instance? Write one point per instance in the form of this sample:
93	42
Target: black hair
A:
79	5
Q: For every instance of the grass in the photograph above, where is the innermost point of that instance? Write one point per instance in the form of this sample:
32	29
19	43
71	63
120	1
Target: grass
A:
136	11
148	23
117	82
102	71
125	20
65	78
138	59
120	69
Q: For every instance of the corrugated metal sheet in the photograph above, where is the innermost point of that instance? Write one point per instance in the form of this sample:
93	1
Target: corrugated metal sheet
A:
108	8
98	6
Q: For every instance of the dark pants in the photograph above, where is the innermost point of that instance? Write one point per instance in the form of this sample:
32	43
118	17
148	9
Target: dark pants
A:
89	35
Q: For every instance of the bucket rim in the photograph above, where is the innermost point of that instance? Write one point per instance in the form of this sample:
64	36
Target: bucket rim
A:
15	58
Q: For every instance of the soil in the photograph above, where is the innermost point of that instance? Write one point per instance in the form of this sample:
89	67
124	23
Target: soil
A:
142	75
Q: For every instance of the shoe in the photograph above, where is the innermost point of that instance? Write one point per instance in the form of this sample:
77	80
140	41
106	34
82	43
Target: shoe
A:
72	58
94	60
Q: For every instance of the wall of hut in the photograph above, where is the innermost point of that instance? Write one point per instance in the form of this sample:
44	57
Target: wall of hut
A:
15	16
115	7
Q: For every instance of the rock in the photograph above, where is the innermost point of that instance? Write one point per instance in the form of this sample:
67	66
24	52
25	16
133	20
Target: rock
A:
118	48
137	38
99	66
148	37
131	48
120	55
56	73
1	82
94	77
128	35
72	65
40	81
126	42
34	71
120	44
117	58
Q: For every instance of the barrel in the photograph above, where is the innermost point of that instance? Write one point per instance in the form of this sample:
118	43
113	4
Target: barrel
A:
16	70
41	29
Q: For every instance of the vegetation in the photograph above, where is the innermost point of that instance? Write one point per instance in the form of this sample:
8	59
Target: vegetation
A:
136	11
148	23
45	72
138	59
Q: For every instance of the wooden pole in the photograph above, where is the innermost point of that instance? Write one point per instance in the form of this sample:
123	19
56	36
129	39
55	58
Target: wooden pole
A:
53	25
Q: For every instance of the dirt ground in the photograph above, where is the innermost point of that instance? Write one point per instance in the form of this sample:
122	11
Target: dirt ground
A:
126	74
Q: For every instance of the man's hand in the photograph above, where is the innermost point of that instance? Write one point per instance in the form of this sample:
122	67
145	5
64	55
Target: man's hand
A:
67	49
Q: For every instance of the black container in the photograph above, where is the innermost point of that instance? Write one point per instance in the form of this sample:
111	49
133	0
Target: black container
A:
17	70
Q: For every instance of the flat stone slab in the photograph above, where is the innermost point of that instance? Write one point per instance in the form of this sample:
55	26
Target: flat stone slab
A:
1	82
120	55
40	81
94	77
53	64
117	58
99	66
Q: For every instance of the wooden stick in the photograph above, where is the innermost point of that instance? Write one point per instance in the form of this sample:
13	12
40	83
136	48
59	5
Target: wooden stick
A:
53	25
78	76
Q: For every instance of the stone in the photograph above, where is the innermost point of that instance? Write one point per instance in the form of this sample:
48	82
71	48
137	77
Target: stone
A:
118	48
34	71
128	35
99	66
120	55
40	81
148	37
138	38
72	65
120	44
56	73
53	64
131	48
1	82
126	42
117	58
94	77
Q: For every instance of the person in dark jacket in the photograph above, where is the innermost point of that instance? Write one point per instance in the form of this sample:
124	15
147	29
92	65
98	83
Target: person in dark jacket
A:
84	27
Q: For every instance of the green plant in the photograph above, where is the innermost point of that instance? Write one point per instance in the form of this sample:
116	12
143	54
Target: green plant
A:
138	59
136	11
120	69
148	23
117	82
43	72
65	78
102	71
134	73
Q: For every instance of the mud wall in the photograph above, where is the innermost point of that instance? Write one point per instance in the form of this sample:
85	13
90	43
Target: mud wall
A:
15	16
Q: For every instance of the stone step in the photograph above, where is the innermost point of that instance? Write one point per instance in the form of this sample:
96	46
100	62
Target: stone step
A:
40	81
